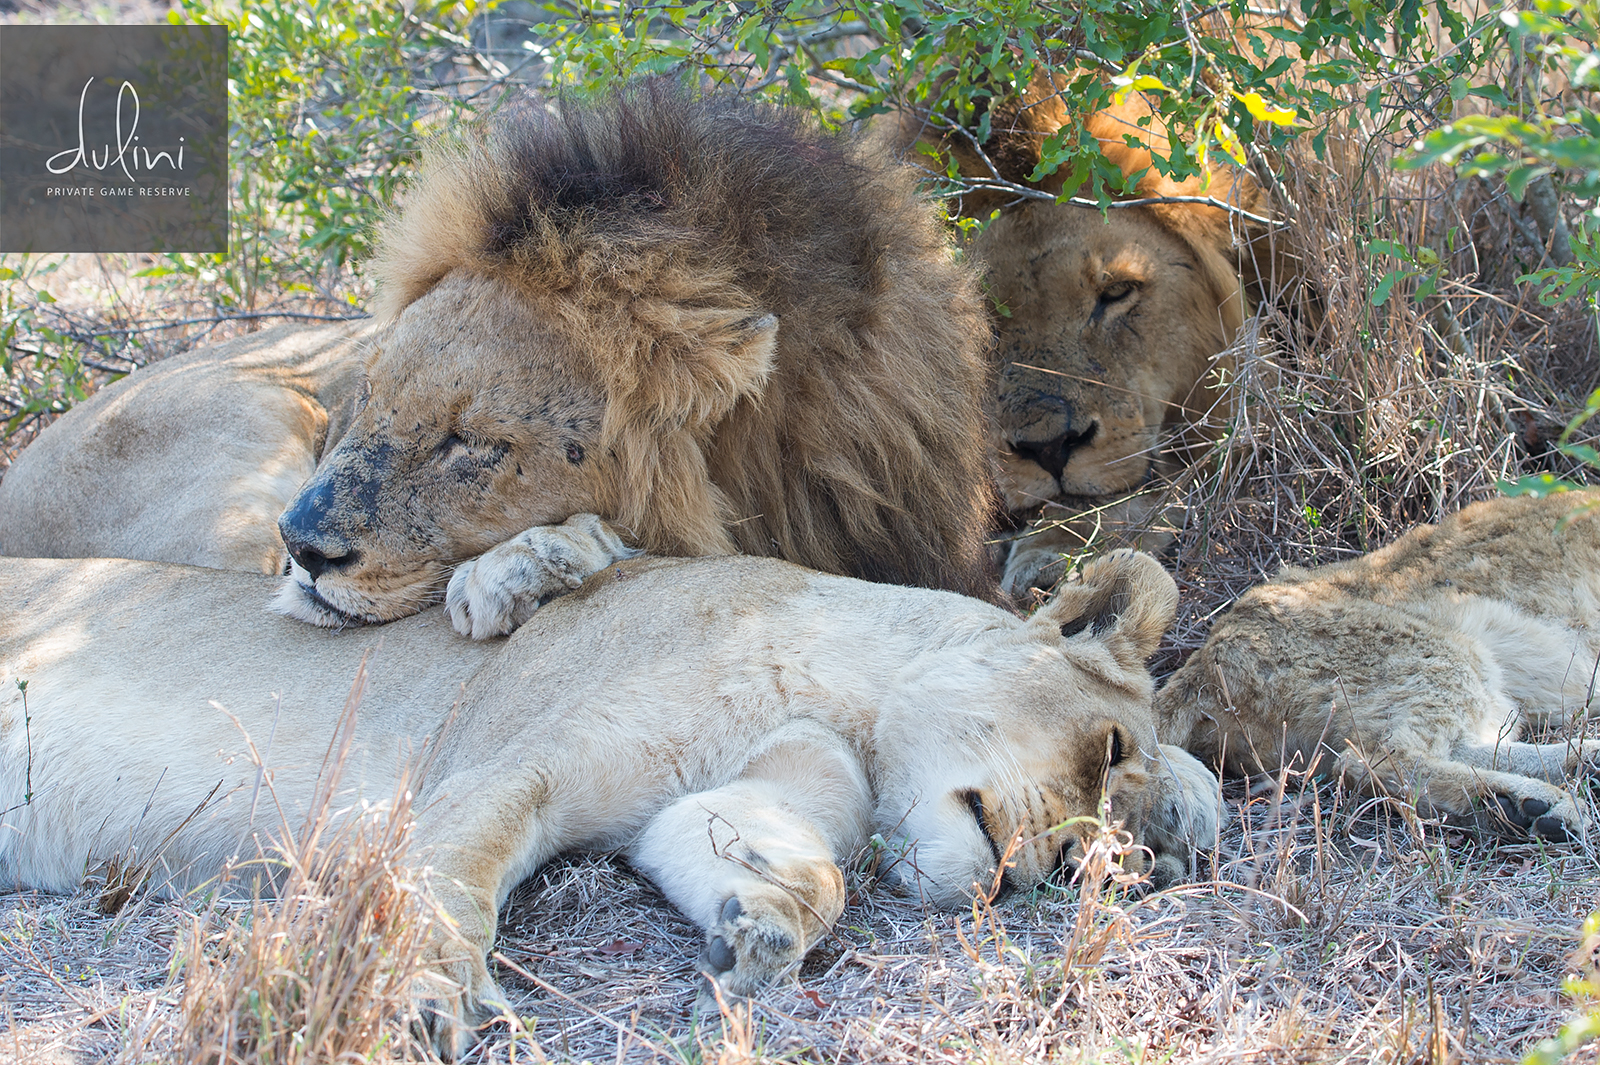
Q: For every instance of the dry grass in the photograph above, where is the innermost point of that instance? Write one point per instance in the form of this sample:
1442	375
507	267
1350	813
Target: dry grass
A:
1319	928
324	971
1344	423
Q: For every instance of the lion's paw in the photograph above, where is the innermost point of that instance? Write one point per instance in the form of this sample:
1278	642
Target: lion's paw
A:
757	938
1032	567
1541	810
500	589
453	1000
1186	817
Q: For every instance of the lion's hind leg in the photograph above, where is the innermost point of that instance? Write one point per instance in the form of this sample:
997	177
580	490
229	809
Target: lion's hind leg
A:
1471	792
755	862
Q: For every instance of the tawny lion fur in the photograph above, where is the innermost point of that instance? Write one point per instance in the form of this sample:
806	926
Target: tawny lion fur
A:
190	459
701	319
1416	670
738	726
1113	332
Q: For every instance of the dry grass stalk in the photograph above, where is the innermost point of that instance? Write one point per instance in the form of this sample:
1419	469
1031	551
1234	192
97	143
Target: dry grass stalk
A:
325	971
1346	423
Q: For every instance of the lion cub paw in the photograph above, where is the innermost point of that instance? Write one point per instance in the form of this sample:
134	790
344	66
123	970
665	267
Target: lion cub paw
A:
1554	816
500	589
757	938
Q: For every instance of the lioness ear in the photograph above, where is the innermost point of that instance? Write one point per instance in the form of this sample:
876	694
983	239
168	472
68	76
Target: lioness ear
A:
683	373
1125	598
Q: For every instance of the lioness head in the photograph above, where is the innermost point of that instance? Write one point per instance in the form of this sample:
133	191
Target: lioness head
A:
1109	329
1047	730
1107	325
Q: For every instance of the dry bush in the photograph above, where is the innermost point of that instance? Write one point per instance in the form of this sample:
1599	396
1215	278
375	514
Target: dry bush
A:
1347	423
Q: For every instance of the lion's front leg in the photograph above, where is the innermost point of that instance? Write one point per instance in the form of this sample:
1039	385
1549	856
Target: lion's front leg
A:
755	863
482	830
1492	800
496	592
458	994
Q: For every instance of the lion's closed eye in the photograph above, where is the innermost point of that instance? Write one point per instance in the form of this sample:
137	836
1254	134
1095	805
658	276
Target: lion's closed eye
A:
457	446
453	444
1118	291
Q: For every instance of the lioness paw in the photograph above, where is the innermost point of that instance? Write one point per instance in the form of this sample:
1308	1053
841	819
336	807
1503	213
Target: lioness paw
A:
1032	567
500	589
756	940
453	1001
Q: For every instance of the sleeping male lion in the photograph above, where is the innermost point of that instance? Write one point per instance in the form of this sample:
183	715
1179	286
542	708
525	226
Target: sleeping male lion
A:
704	320
737	726
1415	670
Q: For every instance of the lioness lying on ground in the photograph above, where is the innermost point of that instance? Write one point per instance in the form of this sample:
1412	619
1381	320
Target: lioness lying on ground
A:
1414	670
191	459
738	726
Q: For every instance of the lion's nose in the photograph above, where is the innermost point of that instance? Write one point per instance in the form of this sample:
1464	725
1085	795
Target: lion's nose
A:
316	563
314	547
1052	455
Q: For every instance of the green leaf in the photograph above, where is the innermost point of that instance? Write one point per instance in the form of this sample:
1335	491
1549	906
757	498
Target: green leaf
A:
1518	179
1538	485
1390	247
1583	453
1493	93
1380	293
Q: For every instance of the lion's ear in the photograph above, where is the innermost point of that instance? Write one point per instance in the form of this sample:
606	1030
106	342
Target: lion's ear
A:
1125	598
688	366
665	394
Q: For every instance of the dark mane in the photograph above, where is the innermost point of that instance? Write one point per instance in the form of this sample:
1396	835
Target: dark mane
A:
639	214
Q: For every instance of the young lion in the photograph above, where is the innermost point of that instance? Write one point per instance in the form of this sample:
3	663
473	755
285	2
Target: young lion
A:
738	726
1414	670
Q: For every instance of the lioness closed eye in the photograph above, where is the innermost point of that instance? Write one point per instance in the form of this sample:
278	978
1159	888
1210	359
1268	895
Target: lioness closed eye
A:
1415	671
737	726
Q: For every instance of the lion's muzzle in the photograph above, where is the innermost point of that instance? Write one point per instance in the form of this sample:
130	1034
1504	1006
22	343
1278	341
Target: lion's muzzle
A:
316	547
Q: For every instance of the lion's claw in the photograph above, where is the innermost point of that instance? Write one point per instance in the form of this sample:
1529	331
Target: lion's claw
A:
1557	823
